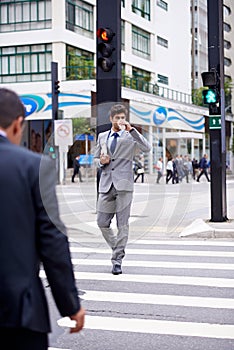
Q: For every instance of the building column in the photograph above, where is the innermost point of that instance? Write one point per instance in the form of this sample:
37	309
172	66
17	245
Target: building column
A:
203	144
150	139
164	149
192	148
59	48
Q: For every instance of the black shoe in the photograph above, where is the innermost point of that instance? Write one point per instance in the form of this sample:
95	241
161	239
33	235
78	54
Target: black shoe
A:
116	270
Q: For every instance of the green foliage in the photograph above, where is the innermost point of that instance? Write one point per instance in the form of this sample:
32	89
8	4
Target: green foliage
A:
80	68
197	96
81	126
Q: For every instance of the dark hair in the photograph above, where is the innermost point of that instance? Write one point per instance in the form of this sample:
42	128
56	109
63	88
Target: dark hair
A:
117	109
11	107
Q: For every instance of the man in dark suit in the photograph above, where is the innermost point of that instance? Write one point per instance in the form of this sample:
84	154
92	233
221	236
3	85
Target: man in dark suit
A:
76	168
115	151
31	233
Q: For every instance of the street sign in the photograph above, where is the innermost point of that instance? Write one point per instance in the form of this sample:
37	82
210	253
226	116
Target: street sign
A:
215	122
63	133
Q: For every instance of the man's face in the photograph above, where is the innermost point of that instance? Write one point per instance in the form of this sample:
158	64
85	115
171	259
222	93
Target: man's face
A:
117	120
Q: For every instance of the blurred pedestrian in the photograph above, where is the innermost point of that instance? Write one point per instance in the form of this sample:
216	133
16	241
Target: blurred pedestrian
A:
169	169
116	180
159	168
139	169
203	165
31	234
76	168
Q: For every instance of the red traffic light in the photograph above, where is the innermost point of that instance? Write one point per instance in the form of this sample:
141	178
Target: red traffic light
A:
105	34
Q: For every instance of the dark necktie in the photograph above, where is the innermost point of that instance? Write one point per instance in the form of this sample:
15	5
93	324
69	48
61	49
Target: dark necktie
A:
114	142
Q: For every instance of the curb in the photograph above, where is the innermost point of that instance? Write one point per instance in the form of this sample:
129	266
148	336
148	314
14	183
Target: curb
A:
200	229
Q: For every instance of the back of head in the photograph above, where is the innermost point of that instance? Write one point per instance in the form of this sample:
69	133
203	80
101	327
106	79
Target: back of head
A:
11	107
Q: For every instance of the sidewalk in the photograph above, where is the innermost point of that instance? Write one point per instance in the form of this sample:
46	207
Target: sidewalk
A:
204	228
178	211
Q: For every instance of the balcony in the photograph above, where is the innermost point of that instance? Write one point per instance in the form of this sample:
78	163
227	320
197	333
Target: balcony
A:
139	84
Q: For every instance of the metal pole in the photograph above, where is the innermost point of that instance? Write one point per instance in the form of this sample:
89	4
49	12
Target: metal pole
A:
217	136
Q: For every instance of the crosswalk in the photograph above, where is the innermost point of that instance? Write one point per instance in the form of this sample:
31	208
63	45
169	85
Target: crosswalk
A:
175	288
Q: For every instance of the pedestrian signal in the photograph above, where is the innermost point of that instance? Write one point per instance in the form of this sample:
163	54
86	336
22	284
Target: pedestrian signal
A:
210	96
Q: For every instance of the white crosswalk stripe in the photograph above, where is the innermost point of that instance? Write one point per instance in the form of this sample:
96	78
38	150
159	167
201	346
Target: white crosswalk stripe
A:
207	257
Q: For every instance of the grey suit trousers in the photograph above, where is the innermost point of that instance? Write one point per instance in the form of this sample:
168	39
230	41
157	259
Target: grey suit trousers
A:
109	204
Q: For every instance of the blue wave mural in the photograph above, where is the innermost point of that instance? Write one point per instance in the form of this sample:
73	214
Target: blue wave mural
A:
36	103
162	114
141	114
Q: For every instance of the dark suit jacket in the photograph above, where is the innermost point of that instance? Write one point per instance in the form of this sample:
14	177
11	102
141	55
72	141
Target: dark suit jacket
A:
30	233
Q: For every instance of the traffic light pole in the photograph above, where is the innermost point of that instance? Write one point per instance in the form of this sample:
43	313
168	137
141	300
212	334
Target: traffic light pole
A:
108	82
217	135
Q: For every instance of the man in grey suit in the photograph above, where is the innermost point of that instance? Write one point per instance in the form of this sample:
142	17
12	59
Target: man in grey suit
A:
115	150
31	233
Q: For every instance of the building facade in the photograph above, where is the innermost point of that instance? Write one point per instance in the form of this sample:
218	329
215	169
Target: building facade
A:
156	68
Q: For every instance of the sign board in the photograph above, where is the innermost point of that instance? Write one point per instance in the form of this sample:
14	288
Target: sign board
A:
215	122
63	133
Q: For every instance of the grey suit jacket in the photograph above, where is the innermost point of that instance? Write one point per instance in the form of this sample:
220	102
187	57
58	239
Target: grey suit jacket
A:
119	171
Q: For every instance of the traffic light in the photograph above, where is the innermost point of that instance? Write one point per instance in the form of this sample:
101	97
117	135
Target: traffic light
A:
210	96
105	49
52	152
56	87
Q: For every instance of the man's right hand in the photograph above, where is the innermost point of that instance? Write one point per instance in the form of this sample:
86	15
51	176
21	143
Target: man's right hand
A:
104	159
79	317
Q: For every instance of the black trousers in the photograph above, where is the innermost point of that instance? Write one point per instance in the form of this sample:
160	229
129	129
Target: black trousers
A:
23	339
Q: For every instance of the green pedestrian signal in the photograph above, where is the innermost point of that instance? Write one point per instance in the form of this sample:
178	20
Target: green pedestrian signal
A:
210	96
52	152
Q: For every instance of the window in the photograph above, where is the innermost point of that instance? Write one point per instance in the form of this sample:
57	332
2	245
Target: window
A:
226	27
162	42
25	63
140	42
123	3
25	15
226	11
162	79
79	17
141	8
227	62
122	35
162	4
80	64
227	44
140	73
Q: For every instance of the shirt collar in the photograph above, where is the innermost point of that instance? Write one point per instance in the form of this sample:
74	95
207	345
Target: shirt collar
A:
118	132
3	133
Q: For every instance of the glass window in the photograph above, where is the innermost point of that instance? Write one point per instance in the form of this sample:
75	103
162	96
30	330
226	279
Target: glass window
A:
140	42
25	15
25	63
80	64
141	8
162	42
162	79
227	44
79	17
227	27
162	4
227	62
122	35
226	10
